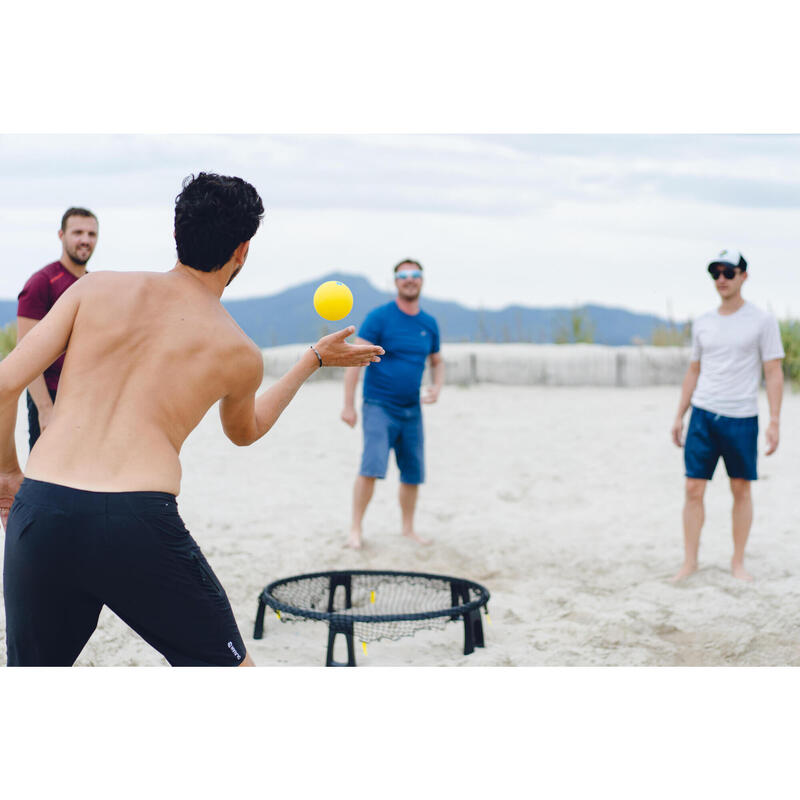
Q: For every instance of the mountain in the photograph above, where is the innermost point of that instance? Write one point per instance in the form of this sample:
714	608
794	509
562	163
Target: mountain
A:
289	317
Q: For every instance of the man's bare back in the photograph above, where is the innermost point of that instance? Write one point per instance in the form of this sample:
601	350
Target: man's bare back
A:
95	520
149	354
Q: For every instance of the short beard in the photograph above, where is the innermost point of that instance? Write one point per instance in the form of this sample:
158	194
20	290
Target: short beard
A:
81	262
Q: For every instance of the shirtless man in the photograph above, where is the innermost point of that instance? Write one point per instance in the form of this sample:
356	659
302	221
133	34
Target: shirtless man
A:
95	520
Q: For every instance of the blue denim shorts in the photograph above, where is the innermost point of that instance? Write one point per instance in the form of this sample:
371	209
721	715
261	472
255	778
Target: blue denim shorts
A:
713	435
400	429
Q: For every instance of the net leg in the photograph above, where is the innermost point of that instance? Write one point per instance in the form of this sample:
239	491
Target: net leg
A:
458	596
339	579
258	631
473	631
341	629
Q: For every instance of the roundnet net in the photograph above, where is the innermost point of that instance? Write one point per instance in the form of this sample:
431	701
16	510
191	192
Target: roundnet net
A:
382	605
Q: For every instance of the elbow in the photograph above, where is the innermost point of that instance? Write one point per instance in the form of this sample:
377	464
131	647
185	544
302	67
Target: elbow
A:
244	438
240	437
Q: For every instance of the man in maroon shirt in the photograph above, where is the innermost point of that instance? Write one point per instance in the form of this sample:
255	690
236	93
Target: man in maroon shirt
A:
78	236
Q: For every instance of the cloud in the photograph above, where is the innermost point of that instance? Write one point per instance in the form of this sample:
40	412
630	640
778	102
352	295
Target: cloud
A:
481	175
552	219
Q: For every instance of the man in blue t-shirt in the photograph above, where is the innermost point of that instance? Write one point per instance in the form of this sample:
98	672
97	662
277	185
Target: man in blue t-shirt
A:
391	411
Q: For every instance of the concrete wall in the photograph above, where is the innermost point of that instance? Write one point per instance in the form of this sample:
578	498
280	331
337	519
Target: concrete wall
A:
531	364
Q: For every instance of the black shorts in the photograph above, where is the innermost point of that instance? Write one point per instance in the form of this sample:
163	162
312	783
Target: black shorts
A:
68	552
34	432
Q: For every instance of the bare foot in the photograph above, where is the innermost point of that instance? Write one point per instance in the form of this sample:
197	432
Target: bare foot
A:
415	537
354	540
684	572
738	571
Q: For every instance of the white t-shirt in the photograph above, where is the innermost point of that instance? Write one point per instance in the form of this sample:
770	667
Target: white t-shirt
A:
731	349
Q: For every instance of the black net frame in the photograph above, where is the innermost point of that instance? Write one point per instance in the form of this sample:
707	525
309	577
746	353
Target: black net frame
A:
452	598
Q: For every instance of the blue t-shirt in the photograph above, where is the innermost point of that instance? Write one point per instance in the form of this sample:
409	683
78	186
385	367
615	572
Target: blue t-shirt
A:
408	341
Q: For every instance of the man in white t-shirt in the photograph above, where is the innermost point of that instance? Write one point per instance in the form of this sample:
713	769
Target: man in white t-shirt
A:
729	347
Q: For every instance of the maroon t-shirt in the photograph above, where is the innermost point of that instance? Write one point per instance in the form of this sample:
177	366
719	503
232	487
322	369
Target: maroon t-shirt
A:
37	297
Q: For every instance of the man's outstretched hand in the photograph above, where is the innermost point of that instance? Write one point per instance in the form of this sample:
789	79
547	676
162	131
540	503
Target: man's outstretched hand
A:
9	485
336	352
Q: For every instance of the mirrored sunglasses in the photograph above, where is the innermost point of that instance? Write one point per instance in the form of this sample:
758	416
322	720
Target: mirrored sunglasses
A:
403	274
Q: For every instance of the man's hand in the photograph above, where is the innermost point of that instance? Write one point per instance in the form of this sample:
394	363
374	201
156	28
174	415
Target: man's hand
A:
349	416
430	394
773	437
677	432
336	352
9	486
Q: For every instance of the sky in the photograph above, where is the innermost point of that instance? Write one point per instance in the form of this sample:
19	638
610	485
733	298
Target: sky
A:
531	219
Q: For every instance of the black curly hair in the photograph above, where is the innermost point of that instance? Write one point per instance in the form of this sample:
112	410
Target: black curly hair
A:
214	214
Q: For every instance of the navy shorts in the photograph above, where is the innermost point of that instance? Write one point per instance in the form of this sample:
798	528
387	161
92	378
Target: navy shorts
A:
713	435
68	552
400	429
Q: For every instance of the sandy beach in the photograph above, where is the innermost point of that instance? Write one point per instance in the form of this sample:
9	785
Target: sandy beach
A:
565	502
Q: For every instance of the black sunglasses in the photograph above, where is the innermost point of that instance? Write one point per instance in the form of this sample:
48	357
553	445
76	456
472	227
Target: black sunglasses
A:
728	272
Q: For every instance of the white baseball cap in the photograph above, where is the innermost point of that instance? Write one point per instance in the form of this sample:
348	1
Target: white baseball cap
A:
731	257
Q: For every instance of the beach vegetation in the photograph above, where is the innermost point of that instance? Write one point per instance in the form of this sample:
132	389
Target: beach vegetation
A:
8	339
576	328
671	335
790	337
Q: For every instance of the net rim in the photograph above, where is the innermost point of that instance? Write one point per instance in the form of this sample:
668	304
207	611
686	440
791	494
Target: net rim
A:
337	616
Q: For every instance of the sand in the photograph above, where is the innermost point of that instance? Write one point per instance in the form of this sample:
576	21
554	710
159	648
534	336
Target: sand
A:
564	502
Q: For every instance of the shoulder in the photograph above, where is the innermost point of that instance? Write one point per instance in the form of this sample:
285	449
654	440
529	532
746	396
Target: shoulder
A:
43	276
758	313
428	320
706	318
119	284
100	285
50	270
105	279
246	350
237	345
378	313
757	318
243	364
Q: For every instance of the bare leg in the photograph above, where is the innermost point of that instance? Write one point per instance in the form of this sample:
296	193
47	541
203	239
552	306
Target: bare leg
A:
742	520
408	503
362	494
248	662
693	518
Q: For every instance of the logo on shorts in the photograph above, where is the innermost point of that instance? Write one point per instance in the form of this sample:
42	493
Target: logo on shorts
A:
422	333
233	650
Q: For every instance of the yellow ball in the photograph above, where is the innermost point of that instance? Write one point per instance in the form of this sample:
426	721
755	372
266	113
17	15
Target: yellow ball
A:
333	300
